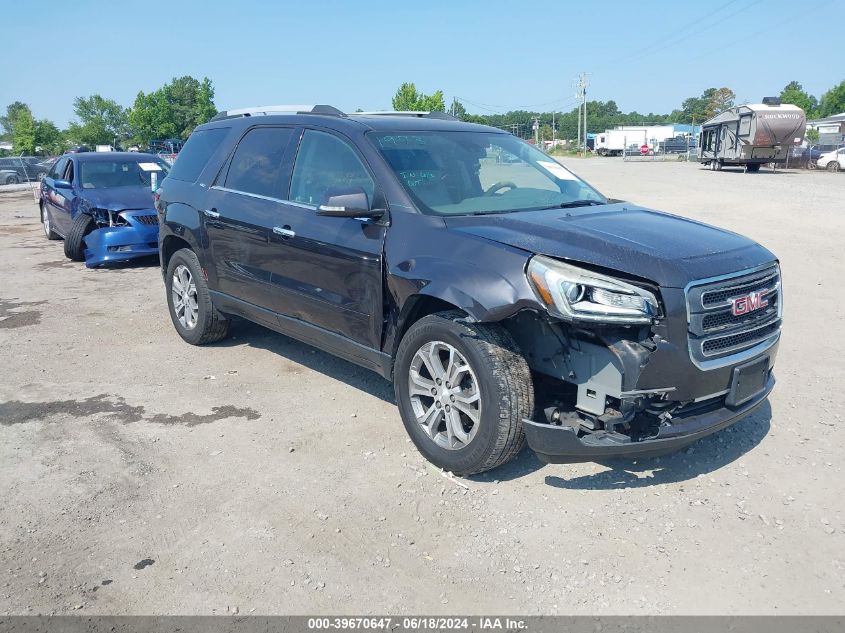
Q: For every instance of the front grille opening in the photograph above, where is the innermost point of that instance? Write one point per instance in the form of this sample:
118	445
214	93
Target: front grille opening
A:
717	297
739	341
147	219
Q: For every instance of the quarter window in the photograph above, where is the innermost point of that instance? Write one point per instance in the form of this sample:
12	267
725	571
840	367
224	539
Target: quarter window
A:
196	152
325	162
256	166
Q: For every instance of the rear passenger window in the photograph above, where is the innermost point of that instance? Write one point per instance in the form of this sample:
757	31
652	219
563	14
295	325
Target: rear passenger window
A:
325	162
256	166
194	156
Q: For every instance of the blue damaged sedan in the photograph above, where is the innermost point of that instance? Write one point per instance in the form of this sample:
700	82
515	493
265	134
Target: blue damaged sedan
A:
101	204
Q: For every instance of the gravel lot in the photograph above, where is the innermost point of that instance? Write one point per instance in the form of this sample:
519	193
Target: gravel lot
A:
139	474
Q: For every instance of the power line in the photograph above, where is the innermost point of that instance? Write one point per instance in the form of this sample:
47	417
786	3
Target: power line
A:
487	106
678	35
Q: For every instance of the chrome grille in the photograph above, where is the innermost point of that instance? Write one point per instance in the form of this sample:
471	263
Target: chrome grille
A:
715	333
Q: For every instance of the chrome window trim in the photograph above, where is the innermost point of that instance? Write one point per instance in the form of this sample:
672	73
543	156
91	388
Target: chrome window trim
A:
269	198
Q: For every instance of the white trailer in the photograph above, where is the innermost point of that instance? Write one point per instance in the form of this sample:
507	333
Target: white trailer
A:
613	142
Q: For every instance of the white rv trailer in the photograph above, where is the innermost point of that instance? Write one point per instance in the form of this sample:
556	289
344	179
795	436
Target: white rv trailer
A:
613	142
750	135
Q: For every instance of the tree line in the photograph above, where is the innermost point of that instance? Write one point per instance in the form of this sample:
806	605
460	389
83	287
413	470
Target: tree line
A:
605	115
171	111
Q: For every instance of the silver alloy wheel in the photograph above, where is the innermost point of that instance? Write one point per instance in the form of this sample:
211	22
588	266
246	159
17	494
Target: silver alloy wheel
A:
184	294
46	222
445	395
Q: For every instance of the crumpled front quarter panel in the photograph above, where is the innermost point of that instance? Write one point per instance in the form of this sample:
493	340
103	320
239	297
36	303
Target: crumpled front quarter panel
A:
485	279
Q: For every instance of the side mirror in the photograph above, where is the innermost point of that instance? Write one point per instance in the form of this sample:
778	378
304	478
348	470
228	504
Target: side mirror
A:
62	184
348	202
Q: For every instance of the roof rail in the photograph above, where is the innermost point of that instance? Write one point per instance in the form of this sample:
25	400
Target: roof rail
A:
279	109
417	113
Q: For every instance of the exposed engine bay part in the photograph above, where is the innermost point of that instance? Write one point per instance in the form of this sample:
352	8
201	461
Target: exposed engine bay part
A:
599	369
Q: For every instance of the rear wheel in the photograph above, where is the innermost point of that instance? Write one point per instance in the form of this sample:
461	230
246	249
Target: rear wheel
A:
753	168
45	220
189	301
462	390
82	225
13	180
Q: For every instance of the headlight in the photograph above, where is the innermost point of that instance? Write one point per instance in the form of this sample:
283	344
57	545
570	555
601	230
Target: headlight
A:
582	295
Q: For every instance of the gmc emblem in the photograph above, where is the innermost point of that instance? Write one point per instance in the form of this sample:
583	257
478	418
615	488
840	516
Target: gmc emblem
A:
748	303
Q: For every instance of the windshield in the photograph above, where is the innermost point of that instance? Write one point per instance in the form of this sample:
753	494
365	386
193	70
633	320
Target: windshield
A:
106	174
474	173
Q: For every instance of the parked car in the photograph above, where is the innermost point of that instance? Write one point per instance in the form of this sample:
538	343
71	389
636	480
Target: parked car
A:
26	167
505	302
48	163
676	145
832	161
101	204
9	177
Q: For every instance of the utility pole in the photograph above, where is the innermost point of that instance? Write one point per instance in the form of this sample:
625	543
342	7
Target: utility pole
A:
536	132
582	90
578	96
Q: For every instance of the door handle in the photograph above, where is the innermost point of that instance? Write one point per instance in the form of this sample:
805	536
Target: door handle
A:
211	213
284	231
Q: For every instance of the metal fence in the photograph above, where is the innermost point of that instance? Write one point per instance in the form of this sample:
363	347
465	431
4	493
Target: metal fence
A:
638	149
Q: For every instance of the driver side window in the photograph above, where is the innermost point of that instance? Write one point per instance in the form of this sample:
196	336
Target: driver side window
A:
325	162
58	169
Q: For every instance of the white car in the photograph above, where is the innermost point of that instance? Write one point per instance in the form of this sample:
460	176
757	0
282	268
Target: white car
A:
832	161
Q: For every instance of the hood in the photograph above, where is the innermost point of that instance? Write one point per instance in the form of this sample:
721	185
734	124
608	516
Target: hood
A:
119	198
663	248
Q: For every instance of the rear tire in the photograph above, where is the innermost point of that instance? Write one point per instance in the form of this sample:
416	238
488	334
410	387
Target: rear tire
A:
82	225
193	314
491	381
753	168
45	221
13	180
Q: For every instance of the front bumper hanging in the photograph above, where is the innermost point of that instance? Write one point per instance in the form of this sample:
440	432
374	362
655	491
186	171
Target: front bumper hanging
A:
561	444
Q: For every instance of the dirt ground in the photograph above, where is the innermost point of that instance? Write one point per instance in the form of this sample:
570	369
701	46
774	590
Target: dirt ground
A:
139	474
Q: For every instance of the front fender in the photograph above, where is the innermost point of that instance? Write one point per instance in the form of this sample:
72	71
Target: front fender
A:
423	259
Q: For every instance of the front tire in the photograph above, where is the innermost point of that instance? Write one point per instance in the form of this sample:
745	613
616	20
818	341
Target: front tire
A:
82	225
472	422
833	166
194	316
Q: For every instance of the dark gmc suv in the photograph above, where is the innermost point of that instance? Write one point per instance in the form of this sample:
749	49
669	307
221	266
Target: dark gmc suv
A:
507	300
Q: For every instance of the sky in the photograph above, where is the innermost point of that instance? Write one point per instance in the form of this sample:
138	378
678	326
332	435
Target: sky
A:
494	56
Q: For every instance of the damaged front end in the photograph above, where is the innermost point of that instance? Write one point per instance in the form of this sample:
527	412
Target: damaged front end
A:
121	235
615	373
